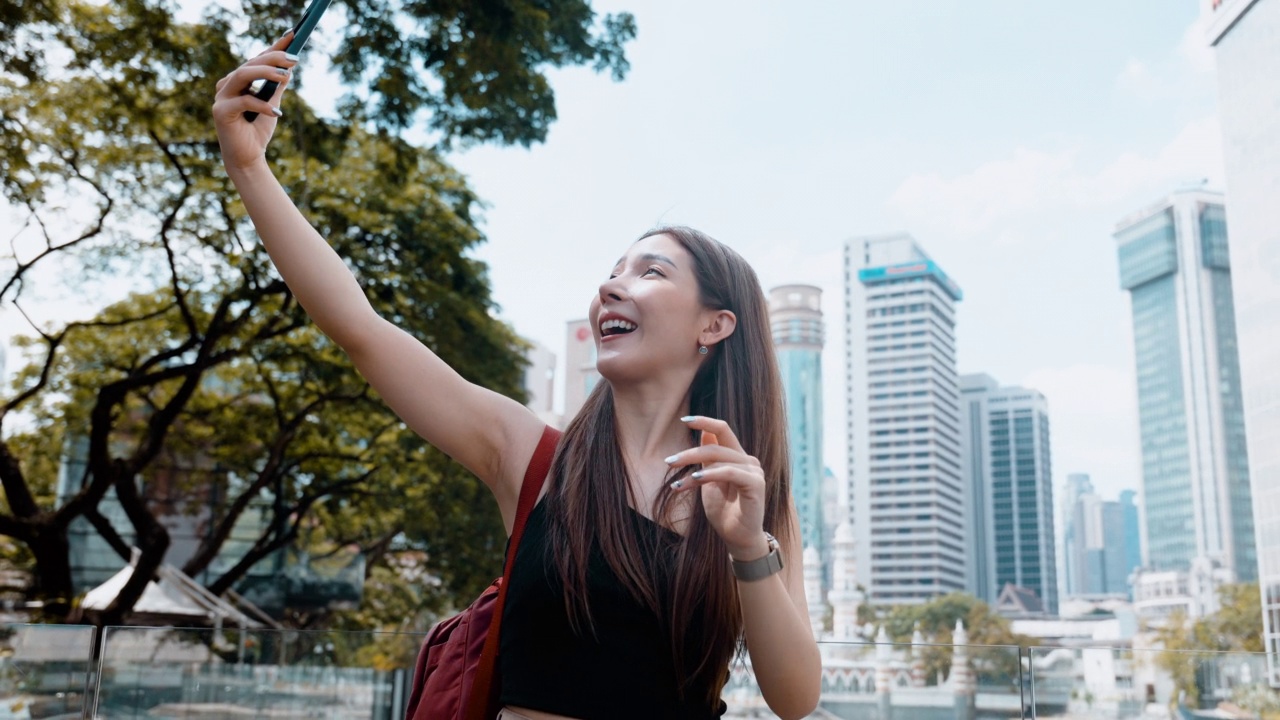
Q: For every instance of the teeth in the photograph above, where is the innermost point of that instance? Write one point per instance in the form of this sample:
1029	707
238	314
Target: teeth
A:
617	324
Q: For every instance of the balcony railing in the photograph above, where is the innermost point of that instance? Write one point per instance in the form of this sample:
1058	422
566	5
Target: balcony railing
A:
56	671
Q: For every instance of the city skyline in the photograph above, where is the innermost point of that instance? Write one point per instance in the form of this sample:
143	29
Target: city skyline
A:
1015	195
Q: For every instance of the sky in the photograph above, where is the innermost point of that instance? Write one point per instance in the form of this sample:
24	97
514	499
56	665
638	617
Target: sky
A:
1007	137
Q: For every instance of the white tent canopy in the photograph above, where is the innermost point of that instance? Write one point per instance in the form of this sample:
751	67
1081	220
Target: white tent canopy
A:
175	596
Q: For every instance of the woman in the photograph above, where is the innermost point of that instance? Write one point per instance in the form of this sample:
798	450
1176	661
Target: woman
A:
622	602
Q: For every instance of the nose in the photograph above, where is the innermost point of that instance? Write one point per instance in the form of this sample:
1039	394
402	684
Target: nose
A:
612	289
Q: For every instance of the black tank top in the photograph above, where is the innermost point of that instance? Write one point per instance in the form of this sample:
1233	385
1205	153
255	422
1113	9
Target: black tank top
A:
624	671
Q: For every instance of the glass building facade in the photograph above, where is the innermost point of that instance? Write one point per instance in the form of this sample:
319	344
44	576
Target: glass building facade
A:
1008	474
1246	35
795	314
908	496
1175	265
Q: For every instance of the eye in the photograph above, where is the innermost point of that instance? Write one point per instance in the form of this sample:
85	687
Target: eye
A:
655	270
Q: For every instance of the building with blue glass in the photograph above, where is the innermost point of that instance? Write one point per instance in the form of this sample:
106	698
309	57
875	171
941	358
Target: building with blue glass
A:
906	491
1246	39
1005	447
795	314
1195	470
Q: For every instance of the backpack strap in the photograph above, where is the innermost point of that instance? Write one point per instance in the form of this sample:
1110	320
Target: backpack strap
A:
484	689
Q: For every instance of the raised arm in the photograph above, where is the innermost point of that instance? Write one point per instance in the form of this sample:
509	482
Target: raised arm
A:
491	435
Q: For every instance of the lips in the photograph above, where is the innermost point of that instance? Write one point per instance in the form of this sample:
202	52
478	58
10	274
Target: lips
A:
614	325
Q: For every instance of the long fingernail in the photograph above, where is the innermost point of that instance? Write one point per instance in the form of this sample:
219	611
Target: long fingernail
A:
688	418
282	71
677	484
277	112
291	57
697	474
671	459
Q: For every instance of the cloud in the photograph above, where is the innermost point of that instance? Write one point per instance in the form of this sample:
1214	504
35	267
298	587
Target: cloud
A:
1033	184
1135	77
1194	50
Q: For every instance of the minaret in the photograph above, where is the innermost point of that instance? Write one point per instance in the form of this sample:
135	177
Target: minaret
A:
884	674
844	596
963	683
813	591
917	658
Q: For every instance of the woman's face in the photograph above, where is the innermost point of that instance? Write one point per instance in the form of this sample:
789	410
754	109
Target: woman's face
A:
647	317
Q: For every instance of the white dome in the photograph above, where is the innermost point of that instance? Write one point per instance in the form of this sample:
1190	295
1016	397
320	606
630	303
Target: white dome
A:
811	556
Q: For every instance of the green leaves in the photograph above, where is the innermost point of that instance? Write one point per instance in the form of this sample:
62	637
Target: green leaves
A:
204	383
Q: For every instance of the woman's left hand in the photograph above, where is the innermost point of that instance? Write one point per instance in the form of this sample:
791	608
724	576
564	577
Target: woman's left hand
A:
732	485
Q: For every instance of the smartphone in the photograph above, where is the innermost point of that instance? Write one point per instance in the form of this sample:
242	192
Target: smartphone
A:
301	31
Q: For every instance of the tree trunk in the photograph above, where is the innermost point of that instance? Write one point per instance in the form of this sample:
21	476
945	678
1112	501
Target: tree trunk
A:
52	576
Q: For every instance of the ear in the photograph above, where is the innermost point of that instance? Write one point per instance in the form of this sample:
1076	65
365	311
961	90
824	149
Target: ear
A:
719	324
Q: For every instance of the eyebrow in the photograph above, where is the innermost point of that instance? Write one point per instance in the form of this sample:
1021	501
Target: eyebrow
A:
651	257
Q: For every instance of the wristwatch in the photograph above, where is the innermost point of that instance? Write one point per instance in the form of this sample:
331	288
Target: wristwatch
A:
760	568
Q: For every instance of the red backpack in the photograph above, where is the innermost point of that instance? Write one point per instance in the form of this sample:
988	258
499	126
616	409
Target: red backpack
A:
455	676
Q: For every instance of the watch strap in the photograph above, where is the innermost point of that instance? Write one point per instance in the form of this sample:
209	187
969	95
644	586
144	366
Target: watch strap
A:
760	568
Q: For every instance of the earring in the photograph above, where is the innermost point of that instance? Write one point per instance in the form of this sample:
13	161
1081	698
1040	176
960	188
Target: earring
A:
702	349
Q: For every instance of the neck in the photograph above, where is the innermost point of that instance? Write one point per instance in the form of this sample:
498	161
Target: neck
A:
648	421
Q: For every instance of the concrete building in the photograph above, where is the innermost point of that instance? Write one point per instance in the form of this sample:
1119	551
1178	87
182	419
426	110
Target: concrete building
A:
906	492
540	383
580	375
1246	37
1007	473
1196	496
795	314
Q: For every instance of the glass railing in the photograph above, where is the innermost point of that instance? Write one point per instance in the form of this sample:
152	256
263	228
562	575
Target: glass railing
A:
177	673
45	670
895	681
58	671
1146	683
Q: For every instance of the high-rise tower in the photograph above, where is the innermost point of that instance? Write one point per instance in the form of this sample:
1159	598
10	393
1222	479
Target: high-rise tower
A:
1174	263
1007	473
1244	34
907	496
795	313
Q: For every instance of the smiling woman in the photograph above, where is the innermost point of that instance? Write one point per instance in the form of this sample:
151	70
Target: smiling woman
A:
651	557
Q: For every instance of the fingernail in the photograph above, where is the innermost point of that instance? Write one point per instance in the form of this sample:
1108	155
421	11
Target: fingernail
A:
697	474
672	459
291	57
277	112
677	484
688	418
282	71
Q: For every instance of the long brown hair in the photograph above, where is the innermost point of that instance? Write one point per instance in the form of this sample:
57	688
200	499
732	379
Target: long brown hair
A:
739	383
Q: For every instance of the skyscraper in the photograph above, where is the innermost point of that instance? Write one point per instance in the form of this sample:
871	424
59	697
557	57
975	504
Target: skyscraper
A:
1005	449
1097	541
795	314
1246	35
540	382
1174	263
907	496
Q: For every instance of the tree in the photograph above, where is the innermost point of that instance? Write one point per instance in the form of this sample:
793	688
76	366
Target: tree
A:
1235	627
936	620
207	380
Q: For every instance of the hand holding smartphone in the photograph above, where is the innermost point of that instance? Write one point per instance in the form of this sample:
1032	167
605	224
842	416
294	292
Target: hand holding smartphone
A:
301	32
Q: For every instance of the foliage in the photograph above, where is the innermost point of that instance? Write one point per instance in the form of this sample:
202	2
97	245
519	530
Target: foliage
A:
1235	627
936	620
1259	698
205	390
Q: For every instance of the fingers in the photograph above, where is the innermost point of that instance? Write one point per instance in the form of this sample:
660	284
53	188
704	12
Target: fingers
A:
239	80
744	479
242	104
718	428
707	454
